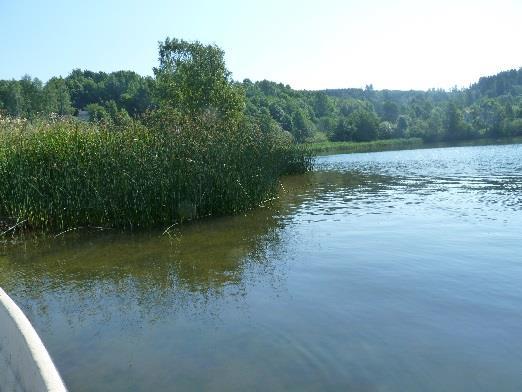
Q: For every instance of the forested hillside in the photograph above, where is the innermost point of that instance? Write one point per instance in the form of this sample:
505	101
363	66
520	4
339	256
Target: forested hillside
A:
492	107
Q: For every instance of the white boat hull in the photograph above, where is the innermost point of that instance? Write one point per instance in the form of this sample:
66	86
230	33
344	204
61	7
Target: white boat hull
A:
25	364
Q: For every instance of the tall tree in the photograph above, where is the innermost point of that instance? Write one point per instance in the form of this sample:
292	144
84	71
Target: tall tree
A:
32	91
12	98
455	127
192	78
57	97
390	111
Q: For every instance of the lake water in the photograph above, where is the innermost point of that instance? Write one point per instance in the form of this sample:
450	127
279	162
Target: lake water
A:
392	271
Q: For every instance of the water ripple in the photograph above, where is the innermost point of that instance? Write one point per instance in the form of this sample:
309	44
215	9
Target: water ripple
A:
482	183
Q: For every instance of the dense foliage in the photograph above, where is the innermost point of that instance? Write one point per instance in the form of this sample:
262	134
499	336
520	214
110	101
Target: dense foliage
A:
492	107
193	81
108	97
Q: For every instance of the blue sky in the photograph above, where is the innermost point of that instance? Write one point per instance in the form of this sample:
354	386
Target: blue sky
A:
399	44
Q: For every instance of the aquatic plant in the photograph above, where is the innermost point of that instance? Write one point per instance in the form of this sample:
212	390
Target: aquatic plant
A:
375	145
62	173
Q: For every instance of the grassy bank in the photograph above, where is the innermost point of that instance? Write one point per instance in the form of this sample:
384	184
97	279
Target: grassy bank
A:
402	144
376	145
63	174
477	142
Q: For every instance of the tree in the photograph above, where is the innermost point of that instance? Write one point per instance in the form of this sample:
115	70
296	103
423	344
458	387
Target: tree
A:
455	127
435	129
32	92
390	111
361	125
402	126
385	130
303	126
488	115
57	97
98	113
127	89
365	124
343	131
85	87
322	105
348	106
12	98
192	79
327	124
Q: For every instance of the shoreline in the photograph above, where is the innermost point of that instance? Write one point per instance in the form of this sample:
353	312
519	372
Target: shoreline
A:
327	148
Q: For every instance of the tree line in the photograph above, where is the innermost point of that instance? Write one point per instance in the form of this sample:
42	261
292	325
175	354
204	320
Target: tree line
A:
492	107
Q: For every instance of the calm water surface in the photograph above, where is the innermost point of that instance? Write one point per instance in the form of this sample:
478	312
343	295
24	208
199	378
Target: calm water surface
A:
393	271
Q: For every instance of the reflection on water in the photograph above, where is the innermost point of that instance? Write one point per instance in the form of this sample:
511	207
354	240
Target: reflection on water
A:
187	267
379	272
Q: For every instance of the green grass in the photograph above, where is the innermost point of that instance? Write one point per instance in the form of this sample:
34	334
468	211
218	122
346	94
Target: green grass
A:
401	144
376	145
57	175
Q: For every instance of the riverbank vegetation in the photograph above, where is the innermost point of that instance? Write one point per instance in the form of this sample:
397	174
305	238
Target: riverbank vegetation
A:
195	153
376	145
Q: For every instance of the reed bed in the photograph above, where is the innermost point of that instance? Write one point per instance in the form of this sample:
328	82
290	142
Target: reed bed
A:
375	145
61	174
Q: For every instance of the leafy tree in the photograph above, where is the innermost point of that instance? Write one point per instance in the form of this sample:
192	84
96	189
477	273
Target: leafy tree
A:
488	115
97	113
118	116
365	124
512	127
83	88
303	126
385	130
57	97
193	80
402	126
292	110
456	129
327	124
127	89
435	130
348	106
32	91
390	111
12	98
322	104
343	131
359	126
277	112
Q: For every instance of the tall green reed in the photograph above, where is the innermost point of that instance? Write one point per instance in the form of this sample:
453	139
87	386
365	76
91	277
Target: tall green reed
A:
61	174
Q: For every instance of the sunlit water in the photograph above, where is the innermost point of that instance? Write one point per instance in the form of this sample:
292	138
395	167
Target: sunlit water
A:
393	271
